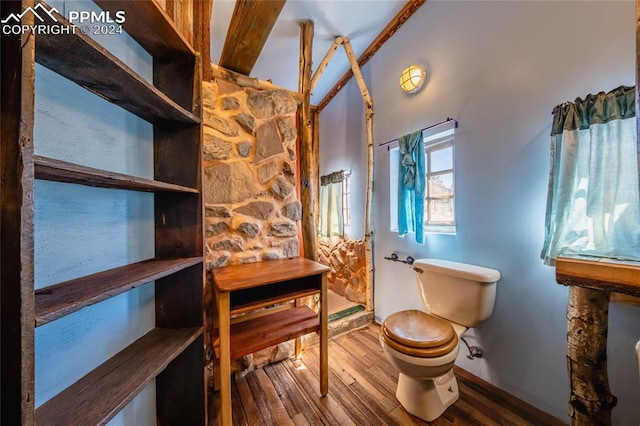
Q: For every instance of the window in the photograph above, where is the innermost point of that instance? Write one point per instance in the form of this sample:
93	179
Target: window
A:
593	203
346	194
439	201
335	212
439	215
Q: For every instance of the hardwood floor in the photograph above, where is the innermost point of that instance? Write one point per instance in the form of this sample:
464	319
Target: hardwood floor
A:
362	386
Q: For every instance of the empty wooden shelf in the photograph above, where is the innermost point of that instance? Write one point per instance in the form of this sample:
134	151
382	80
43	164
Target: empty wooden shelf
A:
83	61
98	396
255	334
62	171
62	299
152	27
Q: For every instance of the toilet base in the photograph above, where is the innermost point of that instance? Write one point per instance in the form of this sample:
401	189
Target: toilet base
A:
427	398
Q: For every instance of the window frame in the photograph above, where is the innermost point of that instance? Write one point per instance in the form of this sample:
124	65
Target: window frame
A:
432	144
434	139
346	195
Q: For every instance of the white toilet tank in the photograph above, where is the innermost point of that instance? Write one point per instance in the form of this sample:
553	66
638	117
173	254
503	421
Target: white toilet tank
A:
458	292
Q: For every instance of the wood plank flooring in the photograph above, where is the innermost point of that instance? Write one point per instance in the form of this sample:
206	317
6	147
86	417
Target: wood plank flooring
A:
362	386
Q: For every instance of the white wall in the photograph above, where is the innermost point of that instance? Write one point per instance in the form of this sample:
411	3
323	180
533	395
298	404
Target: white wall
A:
499	68
81	230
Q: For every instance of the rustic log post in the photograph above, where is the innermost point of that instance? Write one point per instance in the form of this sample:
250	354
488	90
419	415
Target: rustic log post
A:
325	61
356	71
590	401
17	221
392	27
315	172
368	233
305	133
205	8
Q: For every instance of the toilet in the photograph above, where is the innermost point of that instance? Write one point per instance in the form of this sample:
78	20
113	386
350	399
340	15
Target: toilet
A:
423	346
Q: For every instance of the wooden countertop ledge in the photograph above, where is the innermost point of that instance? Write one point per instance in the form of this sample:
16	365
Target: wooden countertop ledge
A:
600	275
248	275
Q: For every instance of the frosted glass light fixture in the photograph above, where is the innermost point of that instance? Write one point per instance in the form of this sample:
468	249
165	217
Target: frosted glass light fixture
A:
412	78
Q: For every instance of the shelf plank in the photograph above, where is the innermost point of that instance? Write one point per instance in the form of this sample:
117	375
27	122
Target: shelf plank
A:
150	26
249	275
56	301
100	395
263	303
85	62
62	171
602	275
258	333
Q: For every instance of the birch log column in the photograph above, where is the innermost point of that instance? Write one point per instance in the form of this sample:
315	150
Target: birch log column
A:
325	61
590	400
308	156
368	233
591	283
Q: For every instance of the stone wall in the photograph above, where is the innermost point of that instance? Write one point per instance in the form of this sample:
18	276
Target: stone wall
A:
346	258
249	186
251	205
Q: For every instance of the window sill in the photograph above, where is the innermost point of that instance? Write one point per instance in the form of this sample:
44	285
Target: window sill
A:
438	230
446	230
621	277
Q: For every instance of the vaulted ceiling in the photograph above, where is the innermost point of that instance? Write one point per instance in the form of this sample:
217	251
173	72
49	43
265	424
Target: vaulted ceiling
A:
262	38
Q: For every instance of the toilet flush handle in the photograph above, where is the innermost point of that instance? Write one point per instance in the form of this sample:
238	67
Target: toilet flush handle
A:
418	270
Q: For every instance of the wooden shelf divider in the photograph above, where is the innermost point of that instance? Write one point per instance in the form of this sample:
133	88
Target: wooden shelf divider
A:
62	171
82	60
56	301
98	396
152	28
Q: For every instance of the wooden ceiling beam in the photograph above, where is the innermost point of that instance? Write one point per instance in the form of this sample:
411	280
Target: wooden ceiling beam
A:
250	26
405	13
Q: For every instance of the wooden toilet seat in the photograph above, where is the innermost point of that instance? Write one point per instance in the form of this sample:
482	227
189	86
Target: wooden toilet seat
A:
419	334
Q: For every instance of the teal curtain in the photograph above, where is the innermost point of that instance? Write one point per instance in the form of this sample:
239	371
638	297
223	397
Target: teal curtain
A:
411	185
593	203
331	210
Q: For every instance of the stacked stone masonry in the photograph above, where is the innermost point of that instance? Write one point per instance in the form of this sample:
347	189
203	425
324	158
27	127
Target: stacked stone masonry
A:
346	258
251	206
249	187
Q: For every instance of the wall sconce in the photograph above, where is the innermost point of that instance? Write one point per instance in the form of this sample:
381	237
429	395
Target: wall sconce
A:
412	78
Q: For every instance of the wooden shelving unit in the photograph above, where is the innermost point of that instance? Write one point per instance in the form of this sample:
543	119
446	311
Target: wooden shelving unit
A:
244	327
172	353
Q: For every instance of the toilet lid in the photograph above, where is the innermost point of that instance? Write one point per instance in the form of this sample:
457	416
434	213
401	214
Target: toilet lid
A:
418	329
434	352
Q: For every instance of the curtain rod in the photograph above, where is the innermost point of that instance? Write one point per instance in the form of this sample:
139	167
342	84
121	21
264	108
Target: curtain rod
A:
348	172
455	122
